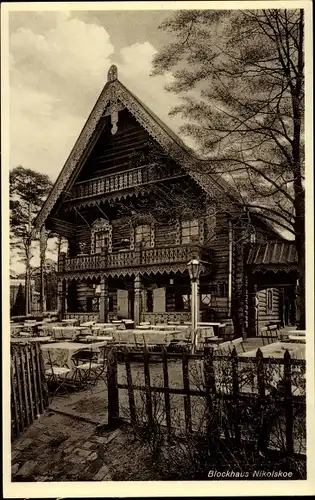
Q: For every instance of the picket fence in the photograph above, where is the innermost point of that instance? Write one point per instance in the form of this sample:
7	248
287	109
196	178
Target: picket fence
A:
29	394
284	400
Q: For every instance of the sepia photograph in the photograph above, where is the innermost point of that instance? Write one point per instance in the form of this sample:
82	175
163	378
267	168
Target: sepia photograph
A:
158	308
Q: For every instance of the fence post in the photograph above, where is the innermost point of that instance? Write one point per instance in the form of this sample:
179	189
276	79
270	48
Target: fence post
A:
167	393
112	384
34	382
187	405
132	406
27	408
18	366
262	444
147	385
235	389
15	429
288	409
209	384
29	383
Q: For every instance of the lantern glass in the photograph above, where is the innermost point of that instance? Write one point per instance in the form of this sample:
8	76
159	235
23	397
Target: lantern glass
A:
194	269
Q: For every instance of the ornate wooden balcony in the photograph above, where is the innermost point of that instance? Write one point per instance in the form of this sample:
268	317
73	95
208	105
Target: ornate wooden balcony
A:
130	258
124	180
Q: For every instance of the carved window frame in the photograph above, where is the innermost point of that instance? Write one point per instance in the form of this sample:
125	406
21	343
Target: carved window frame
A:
199	236
142	221
101	226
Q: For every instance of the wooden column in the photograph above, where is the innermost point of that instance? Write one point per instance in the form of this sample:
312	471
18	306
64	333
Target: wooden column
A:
61	298
137	299
104	300
42	251
252	310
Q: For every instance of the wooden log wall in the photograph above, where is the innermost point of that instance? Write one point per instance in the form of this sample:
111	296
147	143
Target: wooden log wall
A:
83	235
112	152
216	237
266	316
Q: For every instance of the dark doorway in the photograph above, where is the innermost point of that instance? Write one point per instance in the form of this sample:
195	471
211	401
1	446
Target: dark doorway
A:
131	303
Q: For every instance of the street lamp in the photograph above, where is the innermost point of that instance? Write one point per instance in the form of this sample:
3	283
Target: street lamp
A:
194	271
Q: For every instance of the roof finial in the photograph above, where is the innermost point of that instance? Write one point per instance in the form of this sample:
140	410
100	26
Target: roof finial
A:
112	74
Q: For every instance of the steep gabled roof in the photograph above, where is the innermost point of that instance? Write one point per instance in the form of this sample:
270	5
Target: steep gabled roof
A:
114	91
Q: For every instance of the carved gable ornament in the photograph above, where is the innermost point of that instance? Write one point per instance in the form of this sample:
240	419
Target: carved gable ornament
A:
100	225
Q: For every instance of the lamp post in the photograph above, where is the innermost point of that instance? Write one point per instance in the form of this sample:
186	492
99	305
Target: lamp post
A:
194	271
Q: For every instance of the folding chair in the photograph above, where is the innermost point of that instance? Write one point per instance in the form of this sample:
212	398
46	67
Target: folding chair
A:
238	344
90	371
56	375
225	348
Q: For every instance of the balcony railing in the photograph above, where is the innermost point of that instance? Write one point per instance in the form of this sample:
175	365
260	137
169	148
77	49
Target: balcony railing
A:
130	258
124	180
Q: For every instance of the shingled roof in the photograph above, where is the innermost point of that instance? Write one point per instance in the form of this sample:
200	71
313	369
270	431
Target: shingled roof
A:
275	253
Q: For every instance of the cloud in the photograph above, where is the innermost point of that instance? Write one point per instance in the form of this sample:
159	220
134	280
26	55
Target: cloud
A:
58	67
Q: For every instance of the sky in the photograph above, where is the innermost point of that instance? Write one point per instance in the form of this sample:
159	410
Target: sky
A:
58	67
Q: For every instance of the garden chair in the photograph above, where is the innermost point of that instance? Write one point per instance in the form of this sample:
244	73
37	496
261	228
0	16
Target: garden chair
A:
238	344
93	366
225	348
56	375
269	334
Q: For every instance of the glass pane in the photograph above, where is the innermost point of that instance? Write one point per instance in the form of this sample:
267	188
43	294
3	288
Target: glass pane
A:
185	223
186	232
185	240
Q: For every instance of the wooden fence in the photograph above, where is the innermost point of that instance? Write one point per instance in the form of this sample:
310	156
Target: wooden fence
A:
29	395
282	398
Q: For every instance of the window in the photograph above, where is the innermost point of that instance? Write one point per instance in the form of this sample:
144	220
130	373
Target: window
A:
150	301
189	231
176	300
269	300
205	300
143	235
186	302
100	241
95	304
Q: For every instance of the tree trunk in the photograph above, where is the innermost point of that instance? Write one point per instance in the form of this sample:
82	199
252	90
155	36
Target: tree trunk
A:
299	204
28	265
43	246
300	246
26	288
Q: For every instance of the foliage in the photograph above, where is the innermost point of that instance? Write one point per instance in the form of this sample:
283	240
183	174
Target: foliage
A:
28	191
18	307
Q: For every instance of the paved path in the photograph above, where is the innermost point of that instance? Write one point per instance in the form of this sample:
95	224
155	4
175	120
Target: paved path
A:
60	448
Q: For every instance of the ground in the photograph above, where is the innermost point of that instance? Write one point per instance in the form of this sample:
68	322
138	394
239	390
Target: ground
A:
60	448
